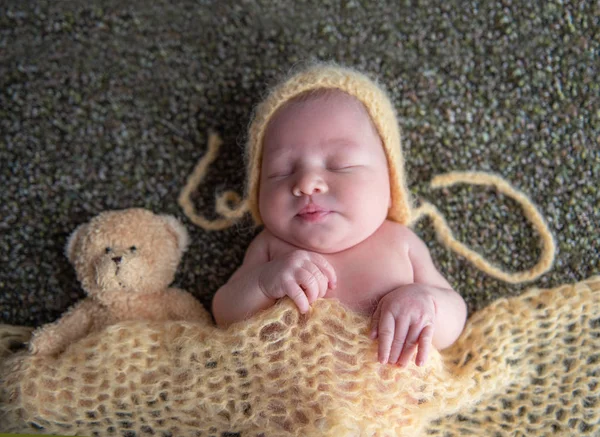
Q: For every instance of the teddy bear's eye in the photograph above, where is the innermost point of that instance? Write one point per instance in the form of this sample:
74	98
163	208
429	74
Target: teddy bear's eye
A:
108	250
133	248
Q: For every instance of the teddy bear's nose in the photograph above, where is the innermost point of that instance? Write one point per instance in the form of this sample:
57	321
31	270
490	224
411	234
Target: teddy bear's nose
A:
117	259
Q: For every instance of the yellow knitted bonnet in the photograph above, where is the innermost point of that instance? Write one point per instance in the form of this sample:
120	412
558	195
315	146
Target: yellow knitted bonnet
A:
369	93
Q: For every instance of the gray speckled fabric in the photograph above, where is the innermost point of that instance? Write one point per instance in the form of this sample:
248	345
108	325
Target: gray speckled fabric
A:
106	104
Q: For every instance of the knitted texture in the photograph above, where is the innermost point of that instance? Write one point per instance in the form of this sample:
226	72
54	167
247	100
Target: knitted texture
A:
11	338
524	365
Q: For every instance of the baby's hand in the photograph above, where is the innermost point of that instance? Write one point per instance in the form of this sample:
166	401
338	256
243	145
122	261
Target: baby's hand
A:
303	276
403	320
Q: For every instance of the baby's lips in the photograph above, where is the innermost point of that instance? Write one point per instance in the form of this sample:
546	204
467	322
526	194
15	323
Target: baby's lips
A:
312	208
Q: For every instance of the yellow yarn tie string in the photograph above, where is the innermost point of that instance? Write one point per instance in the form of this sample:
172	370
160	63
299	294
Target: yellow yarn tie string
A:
231	214
447	238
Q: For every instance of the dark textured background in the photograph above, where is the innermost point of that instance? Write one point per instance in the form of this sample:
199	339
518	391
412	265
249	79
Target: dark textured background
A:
106	104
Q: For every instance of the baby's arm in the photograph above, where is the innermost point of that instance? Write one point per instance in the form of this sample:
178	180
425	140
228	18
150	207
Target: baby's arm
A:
426	312
303	276
241	296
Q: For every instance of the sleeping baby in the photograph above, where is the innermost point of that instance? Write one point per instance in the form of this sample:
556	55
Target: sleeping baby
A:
325	178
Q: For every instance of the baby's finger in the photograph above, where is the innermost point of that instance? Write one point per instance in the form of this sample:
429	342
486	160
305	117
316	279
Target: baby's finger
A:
319	276
410	344
386	332
375	323
400	338
293	290
425	340
325	267
309	283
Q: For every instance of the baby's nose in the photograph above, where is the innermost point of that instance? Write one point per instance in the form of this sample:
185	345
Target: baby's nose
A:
309	184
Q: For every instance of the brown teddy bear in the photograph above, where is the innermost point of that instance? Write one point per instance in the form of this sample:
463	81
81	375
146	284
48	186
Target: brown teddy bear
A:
125	261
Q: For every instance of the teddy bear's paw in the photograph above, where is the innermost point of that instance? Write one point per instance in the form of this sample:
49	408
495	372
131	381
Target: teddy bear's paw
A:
44	343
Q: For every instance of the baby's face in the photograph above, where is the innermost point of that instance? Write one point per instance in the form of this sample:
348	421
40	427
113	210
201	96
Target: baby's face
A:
324	181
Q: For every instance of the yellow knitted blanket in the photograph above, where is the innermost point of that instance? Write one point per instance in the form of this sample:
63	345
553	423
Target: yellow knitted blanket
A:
527	365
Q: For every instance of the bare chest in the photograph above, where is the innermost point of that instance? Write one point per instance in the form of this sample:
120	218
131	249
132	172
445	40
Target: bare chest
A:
365	275
365	272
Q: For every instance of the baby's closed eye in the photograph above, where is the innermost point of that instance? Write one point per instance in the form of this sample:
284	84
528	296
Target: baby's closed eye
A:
279	171
341	165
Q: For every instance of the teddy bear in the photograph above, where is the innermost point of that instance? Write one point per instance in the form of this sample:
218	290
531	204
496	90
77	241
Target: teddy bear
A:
125	261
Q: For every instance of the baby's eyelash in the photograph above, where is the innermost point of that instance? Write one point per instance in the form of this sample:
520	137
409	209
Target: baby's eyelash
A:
341	167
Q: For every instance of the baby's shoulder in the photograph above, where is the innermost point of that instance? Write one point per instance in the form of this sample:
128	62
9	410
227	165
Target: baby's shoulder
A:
397	233
402	239
258	249
266	246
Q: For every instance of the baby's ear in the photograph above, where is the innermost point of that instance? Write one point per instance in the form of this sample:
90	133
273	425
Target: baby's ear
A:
179	231
73	241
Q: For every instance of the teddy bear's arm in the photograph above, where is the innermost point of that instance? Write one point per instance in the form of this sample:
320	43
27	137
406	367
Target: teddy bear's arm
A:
184	306
76	323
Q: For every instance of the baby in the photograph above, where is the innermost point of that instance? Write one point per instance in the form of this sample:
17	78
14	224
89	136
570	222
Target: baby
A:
326	180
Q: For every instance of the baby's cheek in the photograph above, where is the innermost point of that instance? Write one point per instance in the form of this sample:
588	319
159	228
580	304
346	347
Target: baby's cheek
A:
274	197
274	211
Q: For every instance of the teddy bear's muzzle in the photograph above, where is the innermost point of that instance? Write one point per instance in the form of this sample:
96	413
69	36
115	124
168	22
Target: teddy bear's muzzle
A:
116	273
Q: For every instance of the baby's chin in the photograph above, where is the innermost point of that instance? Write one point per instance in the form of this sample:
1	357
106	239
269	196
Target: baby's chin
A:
333	235
325	244
324	249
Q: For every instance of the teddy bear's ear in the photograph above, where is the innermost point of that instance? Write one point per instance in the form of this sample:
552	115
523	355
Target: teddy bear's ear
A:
178	230
74	238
